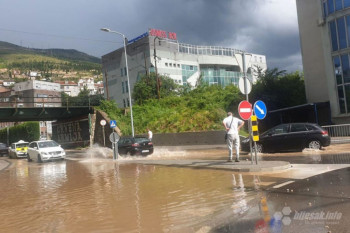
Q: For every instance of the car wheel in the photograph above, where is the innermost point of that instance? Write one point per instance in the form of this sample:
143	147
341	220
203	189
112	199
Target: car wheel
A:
314	144
39	159
259	148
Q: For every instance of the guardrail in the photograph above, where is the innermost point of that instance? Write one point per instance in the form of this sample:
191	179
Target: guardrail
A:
338	130
49	101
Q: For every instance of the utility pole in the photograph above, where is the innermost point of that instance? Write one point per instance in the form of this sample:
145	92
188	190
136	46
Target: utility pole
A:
155	66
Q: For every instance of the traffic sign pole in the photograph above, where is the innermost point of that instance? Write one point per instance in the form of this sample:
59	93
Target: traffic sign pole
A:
247	99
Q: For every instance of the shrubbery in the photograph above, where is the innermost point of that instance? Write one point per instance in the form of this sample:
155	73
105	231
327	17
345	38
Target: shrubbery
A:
28	131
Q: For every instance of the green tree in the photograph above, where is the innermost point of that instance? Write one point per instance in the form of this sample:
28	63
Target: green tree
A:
146	88
278	89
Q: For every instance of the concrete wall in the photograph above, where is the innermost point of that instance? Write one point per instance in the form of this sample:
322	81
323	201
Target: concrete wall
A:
72	133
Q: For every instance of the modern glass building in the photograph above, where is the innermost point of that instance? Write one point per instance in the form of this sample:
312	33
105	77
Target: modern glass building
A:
184	63
324	27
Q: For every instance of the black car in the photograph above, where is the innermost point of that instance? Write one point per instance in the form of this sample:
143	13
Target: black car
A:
135	146
288	137
4	150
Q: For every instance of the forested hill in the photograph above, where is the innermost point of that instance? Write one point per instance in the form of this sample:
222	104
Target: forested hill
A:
7	49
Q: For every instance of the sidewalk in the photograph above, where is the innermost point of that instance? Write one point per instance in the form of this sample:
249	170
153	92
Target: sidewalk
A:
4	164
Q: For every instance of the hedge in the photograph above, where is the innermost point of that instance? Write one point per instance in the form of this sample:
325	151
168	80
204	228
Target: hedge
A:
27	131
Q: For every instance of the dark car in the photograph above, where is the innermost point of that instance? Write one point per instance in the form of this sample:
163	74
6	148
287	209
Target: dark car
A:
289	137
135	146
4	150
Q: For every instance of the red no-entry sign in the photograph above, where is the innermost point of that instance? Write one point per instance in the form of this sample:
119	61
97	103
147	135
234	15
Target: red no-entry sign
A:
245	110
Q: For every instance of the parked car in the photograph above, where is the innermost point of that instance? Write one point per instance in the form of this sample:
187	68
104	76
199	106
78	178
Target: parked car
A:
293	136
41	151
18	149
135	146
4	150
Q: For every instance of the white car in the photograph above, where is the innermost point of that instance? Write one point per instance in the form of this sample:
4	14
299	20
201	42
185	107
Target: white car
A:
41	151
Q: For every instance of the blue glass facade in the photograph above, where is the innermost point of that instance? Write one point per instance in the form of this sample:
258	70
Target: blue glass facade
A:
331	6
340	39
187	72
220	76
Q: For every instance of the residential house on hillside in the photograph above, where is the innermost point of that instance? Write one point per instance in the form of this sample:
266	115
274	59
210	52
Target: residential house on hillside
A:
5	97
34	93
69	87
88	84
7	83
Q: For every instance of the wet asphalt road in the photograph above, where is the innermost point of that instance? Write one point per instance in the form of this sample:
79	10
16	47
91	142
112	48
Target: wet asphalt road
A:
317	204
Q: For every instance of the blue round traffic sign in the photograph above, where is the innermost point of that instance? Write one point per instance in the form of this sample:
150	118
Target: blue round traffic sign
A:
260	109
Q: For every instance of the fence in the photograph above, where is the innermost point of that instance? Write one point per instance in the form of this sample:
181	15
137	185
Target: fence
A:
338	130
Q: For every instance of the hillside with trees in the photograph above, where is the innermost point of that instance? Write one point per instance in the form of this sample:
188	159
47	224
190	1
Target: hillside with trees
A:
57	63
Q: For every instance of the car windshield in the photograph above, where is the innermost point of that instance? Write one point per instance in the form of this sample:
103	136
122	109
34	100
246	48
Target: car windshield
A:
47	144
21	145
139	140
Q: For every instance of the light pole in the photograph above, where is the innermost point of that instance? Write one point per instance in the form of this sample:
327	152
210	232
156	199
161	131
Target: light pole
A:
155	65
127	75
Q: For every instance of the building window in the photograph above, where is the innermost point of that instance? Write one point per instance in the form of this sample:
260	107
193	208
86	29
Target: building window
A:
337	70
123	87
338	5
125	71
124	103
346	3
333	35
128	102
341	33
166	64
346	68
121	72
126	86
330	6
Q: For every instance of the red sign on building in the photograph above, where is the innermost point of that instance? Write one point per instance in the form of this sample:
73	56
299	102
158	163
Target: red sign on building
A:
162	34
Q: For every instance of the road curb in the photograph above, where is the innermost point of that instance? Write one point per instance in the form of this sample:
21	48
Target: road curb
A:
244	166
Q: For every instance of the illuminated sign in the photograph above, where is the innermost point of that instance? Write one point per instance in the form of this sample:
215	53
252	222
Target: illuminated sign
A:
163	34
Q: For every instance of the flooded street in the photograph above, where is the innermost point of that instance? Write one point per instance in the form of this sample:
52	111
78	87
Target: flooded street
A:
104	196
89	192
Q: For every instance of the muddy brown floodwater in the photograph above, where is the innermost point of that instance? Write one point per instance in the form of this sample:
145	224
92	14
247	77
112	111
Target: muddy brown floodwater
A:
89	192
101	195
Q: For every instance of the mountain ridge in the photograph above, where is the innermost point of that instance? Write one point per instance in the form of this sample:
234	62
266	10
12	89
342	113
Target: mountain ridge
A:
7	48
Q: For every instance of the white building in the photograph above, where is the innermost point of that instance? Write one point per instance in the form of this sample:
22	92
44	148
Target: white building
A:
88	84
184	63
69	87
37	85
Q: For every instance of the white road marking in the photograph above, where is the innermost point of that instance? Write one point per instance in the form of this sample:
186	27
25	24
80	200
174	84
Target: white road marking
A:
283	184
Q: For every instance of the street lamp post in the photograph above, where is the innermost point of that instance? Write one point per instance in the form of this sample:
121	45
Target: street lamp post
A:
127	75
155	65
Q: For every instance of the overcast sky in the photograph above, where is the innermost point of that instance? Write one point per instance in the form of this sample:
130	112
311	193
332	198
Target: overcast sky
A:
267	27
